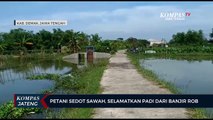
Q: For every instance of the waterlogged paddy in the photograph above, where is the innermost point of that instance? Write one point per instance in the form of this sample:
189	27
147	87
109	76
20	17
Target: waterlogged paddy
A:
190	77
14	73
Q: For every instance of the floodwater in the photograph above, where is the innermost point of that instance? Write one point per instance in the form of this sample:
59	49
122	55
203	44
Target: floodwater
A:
190	77
14	73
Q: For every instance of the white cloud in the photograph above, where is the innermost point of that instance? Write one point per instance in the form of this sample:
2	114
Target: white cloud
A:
142	21
139	21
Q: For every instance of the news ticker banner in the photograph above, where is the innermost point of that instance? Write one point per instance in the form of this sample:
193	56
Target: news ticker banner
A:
113	101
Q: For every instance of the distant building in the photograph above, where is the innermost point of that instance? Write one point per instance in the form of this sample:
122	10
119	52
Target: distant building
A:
157	42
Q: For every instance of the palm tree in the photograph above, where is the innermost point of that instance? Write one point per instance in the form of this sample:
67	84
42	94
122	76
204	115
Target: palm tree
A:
58	36
24	40
69	38
20	37
73	40
82	40
95	39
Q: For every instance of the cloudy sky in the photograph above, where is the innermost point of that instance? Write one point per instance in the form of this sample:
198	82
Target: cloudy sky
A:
111	19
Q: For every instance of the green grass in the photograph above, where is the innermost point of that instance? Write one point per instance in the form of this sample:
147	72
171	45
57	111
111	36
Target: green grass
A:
57	56
197	113
194	113
7	111
46	76
181	56
89	83
35	56
183	49
82	81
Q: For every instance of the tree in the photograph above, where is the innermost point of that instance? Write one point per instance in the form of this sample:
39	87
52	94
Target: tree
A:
211	34
76	42
143	42
43	39
95	39
83	40
190	38
178	39
132	42
17	38
2	47
73	40
69	39
120	39
58	36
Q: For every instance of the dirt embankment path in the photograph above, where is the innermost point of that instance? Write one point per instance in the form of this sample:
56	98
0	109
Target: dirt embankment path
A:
121	77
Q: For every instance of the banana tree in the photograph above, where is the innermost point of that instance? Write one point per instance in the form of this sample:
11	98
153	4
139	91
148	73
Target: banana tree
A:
23	42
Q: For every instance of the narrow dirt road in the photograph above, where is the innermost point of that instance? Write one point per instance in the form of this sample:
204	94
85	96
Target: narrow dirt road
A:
121	77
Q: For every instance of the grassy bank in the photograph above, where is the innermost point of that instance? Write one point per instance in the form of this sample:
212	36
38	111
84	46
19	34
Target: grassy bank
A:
150	75
82	81
188	49
180	56
34	56
89	79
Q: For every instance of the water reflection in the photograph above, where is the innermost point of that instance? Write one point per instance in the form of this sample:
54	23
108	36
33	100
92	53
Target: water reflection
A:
14	73
191	77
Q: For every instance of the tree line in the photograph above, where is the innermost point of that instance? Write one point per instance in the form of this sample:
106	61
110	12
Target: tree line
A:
191	37
74	41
